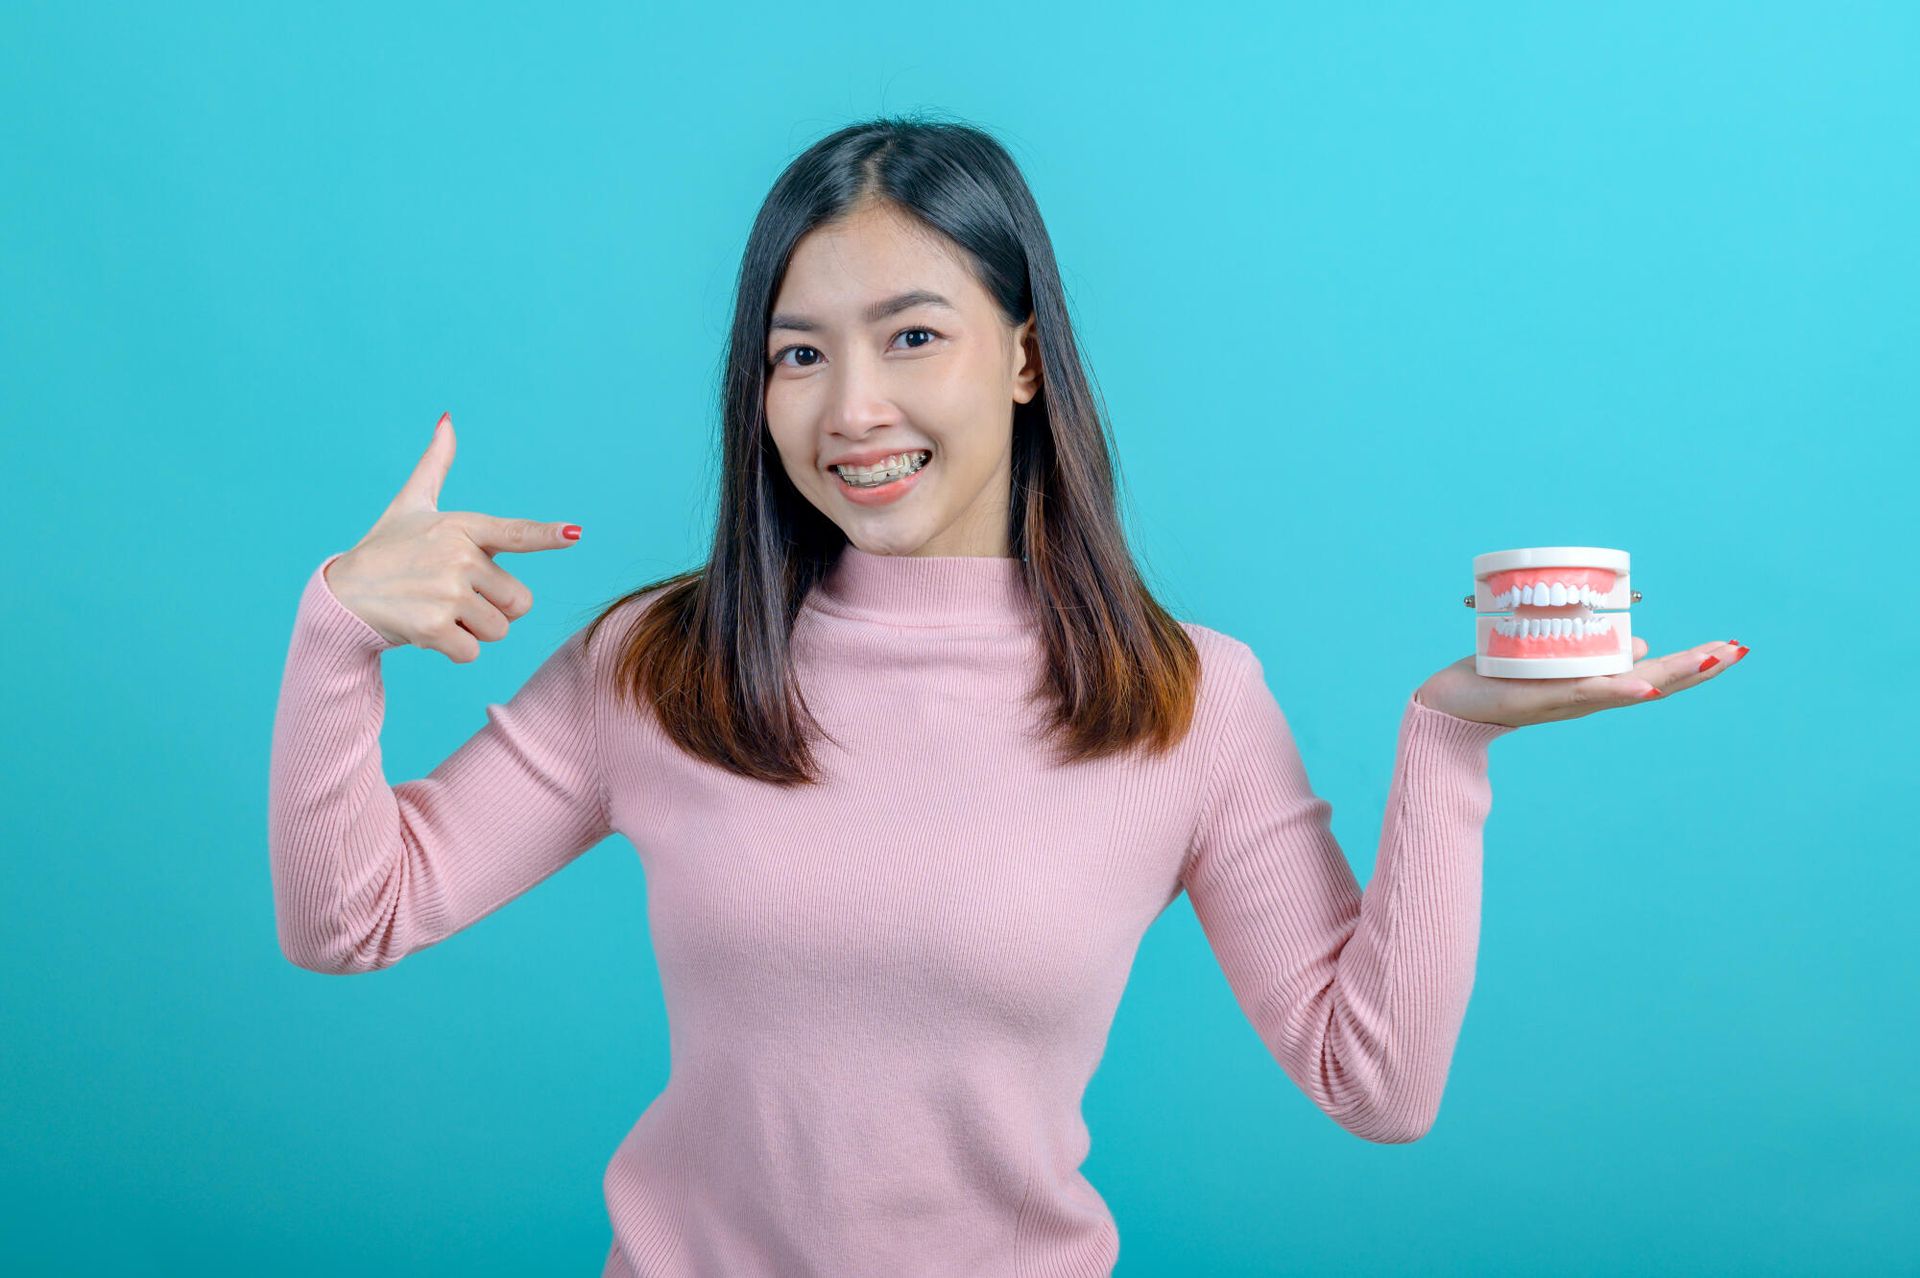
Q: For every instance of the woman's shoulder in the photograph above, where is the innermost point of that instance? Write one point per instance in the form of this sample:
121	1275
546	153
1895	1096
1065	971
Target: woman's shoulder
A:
608	629
1230	672
1218	649
1208	635
626	612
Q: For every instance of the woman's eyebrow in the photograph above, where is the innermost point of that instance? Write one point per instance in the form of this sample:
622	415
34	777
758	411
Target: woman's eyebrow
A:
875	313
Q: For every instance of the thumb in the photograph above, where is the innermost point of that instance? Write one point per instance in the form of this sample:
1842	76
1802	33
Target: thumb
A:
422	489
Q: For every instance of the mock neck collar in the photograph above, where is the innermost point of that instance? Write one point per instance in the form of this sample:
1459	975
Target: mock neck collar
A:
924	590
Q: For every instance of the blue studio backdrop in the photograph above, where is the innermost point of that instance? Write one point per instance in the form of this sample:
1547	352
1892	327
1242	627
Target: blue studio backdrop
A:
1368	290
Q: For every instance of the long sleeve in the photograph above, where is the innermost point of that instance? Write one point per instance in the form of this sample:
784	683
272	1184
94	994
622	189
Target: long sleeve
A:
365	874
1360	998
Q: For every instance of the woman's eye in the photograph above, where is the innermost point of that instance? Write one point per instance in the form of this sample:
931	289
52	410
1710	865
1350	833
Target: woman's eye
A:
776	361
781	357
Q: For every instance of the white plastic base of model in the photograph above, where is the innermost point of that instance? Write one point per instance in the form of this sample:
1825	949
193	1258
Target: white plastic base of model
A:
1552	557
1551	667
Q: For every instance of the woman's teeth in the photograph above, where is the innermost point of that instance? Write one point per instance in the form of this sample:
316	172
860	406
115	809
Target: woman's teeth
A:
898	466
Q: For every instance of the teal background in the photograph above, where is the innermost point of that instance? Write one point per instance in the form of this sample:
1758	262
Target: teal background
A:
1368	291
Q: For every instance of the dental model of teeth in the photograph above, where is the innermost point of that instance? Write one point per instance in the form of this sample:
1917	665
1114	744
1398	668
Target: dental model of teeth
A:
1537	617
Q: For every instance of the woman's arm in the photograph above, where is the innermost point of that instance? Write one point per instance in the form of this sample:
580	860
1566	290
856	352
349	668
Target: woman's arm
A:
1360	998
365	874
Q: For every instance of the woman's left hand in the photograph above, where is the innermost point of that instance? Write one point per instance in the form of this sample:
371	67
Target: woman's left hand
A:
1459	691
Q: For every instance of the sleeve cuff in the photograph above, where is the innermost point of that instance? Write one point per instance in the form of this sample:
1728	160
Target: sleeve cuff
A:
1452	729
332	622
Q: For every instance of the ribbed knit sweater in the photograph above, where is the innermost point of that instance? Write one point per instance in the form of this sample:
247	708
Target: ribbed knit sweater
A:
886	995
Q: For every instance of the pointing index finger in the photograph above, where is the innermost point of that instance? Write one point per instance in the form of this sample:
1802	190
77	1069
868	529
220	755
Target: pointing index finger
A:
494	534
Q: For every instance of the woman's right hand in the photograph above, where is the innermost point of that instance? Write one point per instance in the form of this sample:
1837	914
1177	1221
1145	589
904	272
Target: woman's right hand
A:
426	577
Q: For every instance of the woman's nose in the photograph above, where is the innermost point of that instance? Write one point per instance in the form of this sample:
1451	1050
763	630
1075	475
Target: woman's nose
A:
860	401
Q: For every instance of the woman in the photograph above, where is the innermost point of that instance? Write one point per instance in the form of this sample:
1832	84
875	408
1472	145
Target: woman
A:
912	762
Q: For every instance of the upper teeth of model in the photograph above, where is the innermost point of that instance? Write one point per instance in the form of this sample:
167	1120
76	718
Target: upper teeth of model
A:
1549	594
892	468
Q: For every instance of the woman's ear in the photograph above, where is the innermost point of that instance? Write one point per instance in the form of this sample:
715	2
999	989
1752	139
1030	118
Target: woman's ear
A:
1026	362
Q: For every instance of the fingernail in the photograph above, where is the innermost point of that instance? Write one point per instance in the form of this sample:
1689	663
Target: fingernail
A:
1744	650
444	419
571	532
1709	662
1650	694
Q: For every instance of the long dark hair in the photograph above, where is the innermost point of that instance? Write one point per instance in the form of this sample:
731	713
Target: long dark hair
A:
711	651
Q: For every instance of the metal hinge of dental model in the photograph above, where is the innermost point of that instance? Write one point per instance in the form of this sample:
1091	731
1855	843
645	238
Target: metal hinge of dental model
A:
1635	597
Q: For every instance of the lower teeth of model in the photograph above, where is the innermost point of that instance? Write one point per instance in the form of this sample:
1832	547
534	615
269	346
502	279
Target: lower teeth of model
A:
888	476
1554	627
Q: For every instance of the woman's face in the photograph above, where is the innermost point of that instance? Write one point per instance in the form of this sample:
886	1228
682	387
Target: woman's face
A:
881	343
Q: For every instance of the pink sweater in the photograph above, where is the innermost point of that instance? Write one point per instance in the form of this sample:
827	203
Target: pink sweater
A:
886	996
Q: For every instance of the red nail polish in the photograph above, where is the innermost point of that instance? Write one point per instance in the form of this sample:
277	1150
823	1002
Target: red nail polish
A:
1744	650
1709	662
1650	694
571	532
444	419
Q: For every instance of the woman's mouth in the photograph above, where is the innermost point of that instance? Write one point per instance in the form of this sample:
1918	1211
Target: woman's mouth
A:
885	482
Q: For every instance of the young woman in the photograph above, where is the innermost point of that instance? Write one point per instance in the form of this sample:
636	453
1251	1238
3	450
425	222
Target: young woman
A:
912	761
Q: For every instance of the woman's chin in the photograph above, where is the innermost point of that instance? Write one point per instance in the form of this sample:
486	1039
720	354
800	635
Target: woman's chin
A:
864	535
